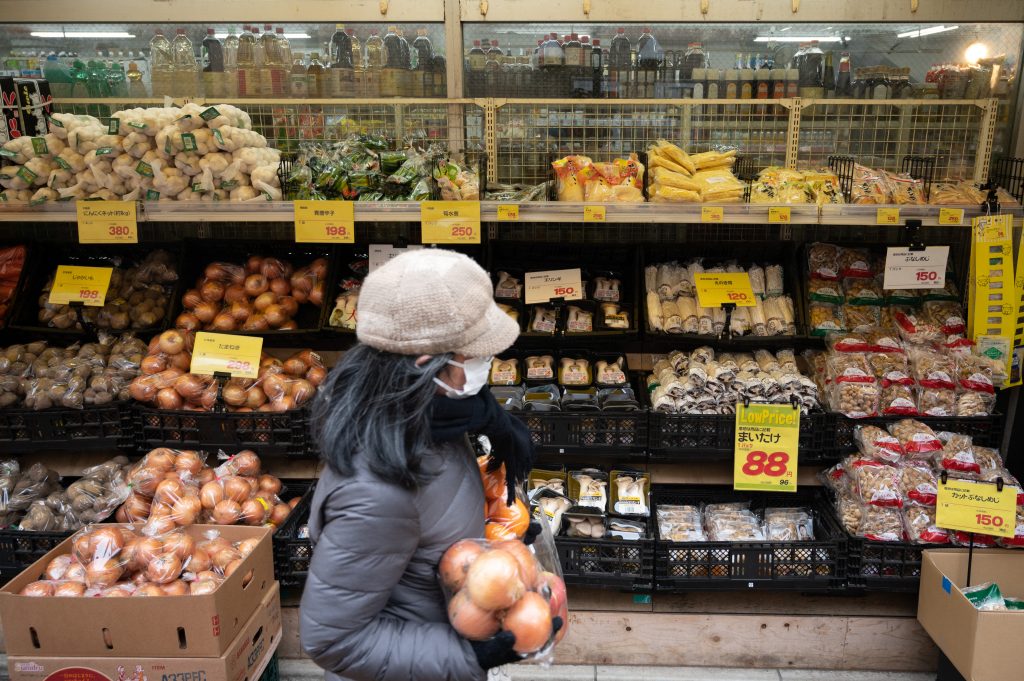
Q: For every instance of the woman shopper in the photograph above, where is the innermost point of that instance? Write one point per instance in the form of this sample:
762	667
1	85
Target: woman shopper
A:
401	483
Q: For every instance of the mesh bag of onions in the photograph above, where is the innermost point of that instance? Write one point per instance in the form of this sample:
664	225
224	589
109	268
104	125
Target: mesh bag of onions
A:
493	586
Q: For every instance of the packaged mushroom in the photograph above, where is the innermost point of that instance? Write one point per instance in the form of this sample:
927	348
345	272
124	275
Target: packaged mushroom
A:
881	524
921	527
610	373
589	487
732	522
540	368
680	524
916	438
877	484
585	522
553	480
932	369
544	319
788	524
573	371
504	371
551	505
936	401
876	444
613	316
579	319
956	454
508	286
629	492
919	483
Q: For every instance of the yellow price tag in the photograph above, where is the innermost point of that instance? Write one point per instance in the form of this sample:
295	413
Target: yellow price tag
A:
779	215
887	216
712	214
226	353
107	222
951	216
86	285
320	222
716	290
508	212
450	222
594	214
766	447
977	507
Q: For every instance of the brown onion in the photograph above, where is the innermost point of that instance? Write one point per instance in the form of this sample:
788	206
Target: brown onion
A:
471	621
301	282
257	322
255	398
234	396
217	271
253	512
235	294
289	305
191	299
211	494
240	311
253	265
69	590
246	462
267	483
316	296
493	580
316	375
264	300
176	588
203	586
149	590
288	325
280	286
205	312
200	561
37	589
255	284
226	512
301	391
189	387
294	366
224	322
272	268
169	399
153	364
275	315
279	514
188	461
171	342
236	489
247	546
182	361
282	404
187	321
180	544
319	268
212	291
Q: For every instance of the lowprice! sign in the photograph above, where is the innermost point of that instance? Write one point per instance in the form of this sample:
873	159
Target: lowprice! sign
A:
766	448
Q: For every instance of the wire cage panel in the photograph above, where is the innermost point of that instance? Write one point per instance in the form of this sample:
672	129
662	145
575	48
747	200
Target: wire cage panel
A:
531	134
882	135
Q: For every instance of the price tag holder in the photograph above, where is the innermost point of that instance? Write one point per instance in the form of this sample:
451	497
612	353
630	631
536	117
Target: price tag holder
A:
766	447
86	285
324	222
979	507
716	290
887	216
543	286
381	253
951	216
107	222
908	269
450	222
779	215
594	214
226	353
508	212
712	214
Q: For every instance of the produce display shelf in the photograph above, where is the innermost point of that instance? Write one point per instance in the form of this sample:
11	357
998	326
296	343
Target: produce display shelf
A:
986	431
266	433
291	550
813	565
619	433
626	565
530	211
92	428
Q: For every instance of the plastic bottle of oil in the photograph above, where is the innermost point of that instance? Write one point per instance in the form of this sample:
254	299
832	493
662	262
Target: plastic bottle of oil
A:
271	60
374	64
298	86
248	77
315	77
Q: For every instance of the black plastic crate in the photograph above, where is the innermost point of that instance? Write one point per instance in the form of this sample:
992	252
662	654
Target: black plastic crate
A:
817	565
44	262
89	429
884	566
712	436
266	433
19	549
200	253
986	431
291	551
610	563
569	432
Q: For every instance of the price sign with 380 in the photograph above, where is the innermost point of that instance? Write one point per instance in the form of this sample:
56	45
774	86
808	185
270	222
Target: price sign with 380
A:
766	447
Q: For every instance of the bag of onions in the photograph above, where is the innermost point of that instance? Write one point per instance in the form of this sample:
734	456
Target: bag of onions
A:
506	586
111	561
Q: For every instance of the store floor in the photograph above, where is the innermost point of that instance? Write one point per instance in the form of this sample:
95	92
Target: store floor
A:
304	670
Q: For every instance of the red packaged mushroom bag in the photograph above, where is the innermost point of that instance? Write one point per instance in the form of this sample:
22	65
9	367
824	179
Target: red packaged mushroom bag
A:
1017	540
876	444
503	586
877	484
919	524
917	439
956	454
919	483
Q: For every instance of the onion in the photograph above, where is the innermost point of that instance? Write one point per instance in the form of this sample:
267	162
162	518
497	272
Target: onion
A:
275	315
166	379
236	489
257	322
169	399
264	300
159	525
211	494
255	284
39	589
269	484
171	342
212	291
280	286
254	264
240	311
199	561
153	364
301	283
136	507
272	268
191	299
275	386
69	590
301	391
235	294
493	580
230	568
205	311
253	512
247	463
234	395
316	296
316	375
162	459
169	490
141	391
56	568
146	551
217	271
282	404
530	620
187	321
176	588
247	546
295	367
224	322
145	479
190	387
204	586
164	569
456	561
105	542
185	511
75	573
558	601
188	461
226	512
279	514
103	572
289	305
471	621
224	556
294	501
255	398
528	571
318	268
149	590
182	361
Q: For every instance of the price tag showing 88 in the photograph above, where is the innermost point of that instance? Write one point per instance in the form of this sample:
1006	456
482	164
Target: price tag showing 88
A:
766	447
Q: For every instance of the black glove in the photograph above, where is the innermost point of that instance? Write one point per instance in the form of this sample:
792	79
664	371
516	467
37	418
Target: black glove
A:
497	650
532	532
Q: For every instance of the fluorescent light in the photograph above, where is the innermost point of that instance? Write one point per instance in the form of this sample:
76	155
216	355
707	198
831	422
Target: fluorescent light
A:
797	39
290	36
81	34
976	52
932	30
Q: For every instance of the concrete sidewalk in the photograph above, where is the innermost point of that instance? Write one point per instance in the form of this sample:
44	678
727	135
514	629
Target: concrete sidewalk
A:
304	670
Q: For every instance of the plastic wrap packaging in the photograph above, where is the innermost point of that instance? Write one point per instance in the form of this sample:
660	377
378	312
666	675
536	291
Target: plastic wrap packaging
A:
877	484
877	444
681	524
881	524
788	524
916	438
920	526
919	482
957	454
932	369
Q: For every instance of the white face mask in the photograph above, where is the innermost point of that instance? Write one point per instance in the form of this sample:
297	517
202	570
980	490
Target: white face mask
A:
476	370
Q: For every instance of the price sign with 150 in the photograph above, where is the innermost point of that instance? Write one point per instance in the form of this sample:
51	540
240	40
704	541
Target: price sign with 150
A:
543	286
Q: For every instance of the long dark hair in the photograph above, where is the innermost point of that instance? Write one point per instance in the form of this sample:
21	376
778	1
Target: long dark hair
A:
377	405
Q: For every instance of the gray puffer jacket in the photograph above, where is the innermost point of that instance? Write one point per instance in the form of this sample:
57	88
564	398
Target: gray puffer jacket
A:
372	609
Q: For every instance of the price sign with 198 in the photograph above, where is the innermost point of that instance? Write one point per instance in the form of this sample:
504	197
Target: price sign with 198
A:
324	222
543	286
766	447
86	285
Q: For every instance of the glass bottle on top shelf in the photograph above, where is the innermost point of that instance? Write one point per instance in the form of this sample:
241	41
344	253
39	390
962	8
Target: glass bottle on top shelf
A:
811	67
390	78
297	81
844	84
374	65
339	76
136	88
315	77
423	78
829	77
213	66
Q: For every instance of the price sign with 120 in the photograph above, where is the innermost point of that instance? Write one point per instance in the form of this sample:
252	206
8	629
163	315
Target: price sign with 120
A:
450	222
981	507
766	447
86	285
324	222
716	290
107	222
227	353
543	286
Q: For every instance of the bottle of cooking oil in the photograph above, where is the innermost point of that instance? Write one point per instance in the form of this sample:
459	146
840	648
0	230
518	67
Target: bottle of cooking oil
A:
270	61
374	64
298	85
315	77
339	73
248	78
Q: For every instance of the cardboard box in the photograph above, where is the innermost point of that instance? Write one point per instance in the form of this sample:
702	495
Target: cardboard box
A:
983	645
245	659
192	626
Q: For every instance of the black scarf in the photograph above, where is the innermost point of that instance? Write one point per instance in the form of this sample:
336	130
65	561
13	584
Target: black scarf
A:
481	414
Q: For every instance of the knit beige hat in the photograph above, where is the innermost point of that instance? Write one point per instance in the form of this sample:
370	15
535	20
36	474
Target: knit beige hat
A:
432	301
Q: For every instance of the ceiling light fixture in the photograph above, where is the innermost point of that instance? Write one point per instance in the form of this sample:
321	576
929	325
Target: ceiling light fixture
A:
797	39
81	34
931	30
